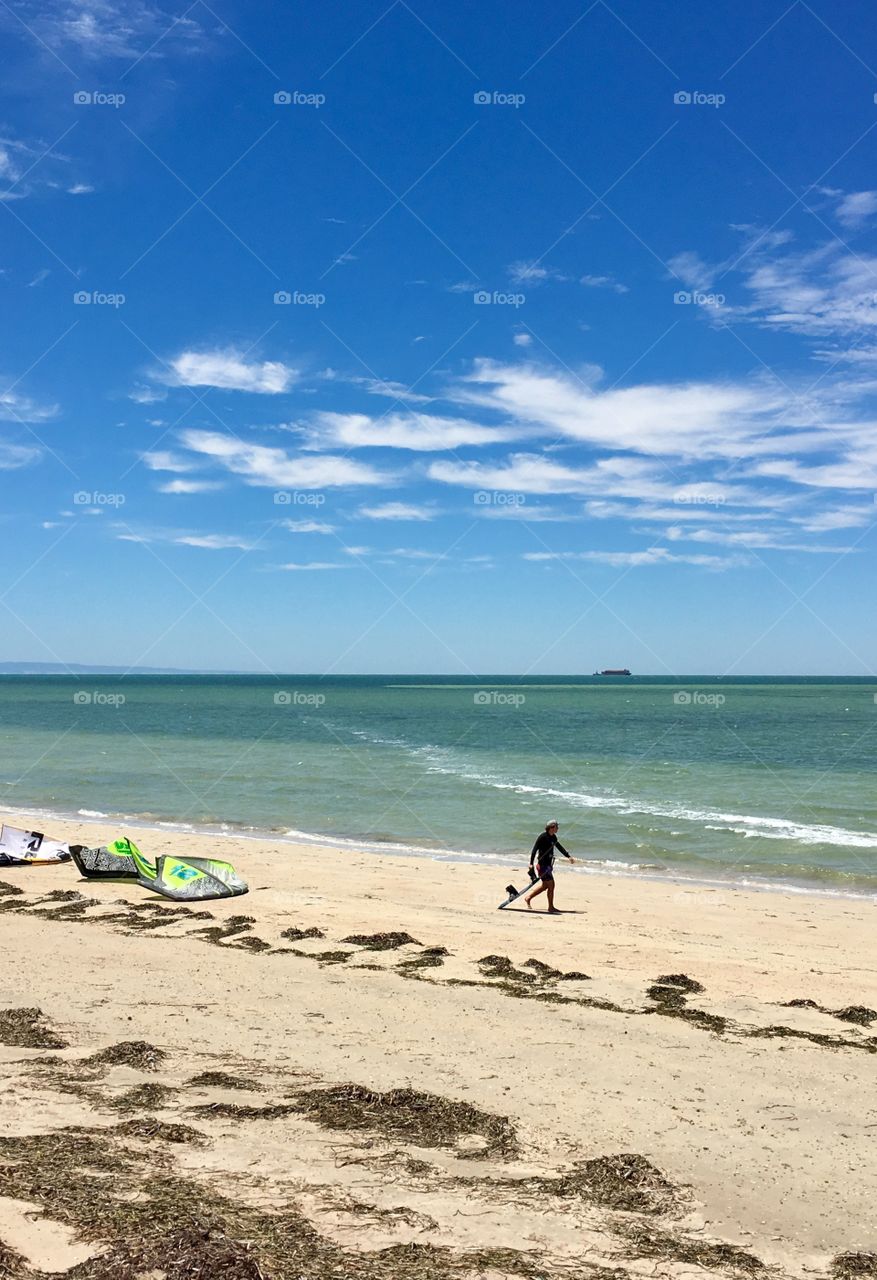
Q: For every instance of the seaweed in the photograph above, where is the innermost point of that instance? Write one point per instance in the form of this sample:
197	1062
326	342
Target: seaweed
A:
851	1266
144	1097
424	1119
296	935
150	1129
222	1080
815	1037
10	890
626	1182
667	997
250	944
233	1111
801	1003
129	1053
858	1014
649	1243
682	981
381	941
28	1029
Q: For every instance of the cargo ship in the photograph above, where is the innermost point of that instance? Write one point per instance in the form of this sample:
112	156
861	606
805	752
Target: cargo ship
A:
613	671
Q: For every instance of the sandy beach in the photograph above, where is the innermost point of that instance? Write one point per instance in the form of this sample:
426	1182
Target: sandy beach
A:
562	1110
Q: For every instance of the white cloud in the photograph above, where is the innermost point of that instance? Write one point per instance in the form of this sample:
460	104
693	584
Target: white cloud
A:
275	468
395	511
419	432
112	28
229	370
856	208
39	278
522	339
313	566
14	456
307	526
164	460
693	419
604	282
19	408
636	559
189	486
532	273
147	395
214	542
80	189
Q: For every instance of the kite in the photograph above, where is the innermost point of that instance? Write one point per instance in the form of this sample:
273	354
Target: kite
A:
184	879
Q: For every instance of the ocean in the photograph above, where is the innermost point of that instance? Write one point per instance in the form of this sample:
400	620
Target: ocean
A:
758	782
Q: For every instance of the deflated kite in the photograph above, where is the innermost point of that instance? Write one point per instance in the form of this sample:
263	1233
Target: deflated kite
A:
29	848
182	879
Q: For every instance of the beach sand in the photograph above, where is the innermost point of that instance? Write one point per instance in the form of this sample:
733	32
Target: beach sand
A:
743	1124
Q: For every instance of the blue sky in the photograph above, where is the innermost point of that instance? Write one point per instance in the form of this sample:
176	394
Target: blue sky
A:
432	337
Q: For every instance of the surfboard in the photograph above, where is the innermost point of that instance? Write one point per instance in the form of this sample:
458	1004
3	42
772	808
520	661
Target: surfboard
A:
514	894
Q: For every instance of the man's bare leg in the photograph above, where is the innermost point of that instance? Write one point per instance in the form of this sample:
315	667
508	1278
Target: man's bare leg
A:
540	888
551	907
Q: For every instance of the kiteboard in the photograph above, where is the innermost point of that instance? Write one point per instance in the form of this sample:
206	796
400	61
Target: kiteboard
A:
29	848
514	894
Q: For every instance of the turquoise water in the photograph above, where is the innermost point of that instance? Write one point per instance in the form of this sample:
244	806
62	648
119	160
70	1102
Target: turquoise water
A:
754	780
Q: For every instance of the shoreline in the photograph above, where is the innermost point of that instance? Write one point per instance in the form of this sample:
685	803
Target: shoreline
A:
512	863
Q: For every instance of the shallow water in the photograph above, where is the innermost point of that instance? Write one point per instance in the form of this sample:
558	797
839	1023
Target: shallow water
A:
760	781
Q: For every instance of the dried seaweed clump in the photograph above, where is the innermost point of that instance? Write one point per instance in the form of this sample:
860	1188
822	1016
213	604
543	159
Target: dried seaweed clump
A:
815	1037
222	1080
672	1003
296	935
380	941
129	1053
424	1119
28	1029
149	1129
429	958
850	1266
682	982
627	1182
858	1014
10	890
233	1111
800	1003
144	1097
648	1243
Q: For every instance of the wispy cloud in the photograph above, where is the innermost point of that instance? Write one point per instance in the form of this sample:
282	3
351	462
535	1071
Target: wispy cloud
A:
20	408
418	432
604	282
112	28
651	557
396	511
276	468
14	456
229	370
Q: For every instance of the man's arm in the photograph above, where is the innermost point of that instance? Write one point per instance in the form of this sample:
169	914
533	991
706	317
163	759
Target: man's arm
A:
533	852
559	846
